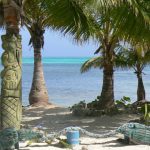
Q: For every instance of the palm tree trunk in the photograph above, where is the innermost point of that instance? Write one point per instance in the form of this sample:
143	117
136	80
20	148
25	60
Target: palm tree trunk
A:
140	89
10	104
38	95
107	94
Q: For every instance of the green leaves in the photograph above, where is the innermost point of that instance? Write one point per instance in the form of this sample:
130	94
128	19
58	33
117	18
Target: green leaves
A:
147	113
96	62
68	16
132	21
136	57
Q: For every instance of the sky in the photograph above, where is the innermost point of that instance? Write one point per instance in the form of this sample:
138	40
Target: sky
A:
56	45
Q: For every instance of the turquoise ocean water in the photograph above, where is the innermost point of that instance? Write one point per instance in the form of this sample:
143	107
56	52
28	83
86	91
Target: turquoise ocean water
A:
57	60
66	85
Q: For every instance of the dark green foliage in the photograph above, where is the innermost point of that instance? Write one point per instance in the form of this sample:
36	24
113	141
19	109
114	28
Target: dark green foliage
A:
125	101
91	109
94	104
79	109
68	16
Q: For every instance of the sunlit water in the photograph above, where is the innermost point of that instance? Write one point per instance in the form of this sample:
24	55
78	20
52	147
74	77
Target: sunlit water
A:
66	85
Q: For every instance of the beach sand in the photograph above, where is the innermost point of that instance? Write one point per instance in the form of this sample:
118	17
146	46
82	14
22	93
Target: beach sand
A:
54	119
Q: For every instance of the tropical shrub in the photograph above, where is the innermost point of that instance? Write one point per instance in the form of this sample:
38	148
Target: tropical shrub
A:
91	109
123	102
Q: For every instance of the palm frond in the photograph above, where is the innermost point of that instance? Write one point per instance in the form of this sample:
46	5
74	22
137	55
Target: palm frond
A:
68	16
121	61
131	22
96	62
138	54
98	50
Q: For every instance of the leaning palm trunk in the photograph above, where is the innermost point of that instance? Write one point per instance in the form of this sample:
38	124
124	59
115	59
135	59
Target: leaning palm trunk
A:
140	89
38	95
107	94
10	104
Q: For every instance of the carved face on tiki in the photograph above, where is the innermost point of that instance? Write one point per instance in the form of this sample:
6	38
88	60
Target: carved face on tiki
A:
11	75
10	47
7	59
11	80
9	42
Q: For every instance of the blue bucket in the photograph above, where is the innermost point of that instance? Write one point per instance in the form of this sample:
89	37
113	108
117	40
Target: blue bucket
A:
73	137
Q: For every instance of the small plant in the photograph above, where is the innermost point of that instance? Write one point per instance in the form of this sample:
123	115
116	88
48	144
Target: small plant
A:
63	143
79	105
79	108
91	109
86	109
146	113
125	101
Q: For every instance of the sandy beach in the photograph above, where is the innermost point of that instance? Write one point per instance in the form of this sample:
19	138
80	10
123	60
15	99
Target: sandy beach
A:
54	119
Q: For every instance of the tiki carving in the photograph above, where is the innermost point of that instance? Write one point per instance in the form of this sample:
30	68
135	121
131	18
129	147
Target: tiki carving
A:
11	81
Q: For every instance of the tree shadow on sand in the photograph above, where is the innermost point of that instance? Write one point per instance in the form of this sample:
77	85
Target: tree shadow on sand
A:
56	119
112	143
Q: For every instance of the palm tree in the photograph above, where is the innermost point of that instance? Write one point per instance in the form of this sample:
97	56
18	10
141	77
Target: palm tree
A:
137	58
106	36
114	26
10	104
39	17
36	21
106	100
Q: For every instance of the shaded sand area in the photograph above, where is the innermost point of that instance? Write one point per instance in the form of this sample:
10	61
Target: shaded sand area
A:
54	119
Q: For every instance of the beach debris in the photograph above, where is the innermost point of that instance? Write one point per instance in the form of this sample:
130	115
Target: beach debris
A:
9	139
133	132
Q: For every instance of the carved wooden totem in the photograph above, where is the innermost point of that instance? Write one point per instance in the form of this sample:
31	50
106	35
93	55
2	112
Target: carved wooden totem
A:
11	82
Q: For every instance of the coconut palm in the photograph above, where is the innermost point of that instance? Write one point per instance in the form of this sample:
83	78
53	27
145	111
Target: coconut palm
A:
137	58
38	17
107	93
36	21
106	36
107	28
